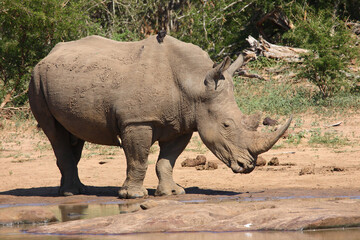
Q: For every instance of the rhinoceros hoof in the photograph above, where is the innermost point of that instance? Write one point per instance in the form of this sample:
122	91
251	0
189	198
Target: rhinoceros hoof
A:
126	192
174	189
81	189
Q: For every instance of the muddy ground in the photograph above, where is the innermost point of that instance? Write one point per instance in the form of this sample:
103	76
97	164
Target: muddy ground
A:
315	173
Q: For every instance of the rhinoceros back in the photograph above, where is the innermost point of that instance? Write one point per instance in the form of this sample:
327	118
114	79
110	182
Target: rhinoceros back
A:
94	85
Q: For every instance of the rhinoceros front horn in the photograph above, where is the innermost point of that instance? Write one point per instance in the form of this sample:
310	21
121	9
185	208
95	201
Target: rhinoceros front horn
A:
263	142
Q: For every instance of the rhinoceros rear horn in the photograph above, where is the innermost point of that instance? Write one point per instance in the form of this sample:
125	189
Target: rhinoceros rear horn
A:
263	142
236	65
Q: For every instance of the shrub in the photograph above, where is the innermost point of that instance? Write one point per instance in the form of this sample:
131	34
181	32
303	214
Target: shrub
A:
28	31
333	48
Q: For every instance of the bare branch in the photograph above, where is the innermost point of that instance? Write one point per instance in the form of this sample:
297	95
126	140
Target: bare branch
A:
231	4
266	49
244	73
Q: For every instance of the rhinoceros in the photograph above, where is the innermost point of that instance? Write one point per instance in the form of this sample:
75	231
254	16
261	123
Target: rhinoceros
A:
132	94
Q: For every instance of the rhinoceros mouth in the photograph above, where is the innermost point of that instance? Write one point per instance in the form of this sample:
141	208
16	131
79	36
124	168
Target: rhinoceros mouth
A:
243	165
237	167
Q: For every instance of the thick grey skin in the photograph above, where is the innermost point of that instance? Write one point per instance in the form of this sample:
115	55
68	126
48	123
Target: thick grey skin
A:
99	90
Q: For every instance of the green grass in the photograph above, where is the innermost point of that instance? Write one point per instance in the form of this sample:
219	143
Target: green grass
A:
287	98
329	139
295	138
196	145
285	92
91	149
315	138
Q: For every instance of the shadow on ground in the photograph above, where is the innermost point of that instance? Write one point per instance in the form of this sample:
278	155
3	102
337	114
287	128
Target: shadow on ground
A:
105	191
53	191
196	190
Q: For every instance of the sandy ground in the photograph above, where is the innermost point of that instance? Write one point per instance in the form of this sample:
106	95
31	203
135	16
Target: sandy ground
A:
315	184
29	169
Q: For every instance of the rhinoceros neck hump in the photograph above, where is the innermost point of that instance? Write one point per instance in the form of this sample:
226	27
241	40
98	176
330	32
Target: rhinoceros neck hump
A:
189	64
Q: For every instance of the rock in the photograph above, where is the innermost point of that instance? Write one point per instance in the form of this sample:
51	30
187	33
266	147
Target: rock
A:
270	122
28	215
156	203
129	207
307	170
338	169
208	166
260	161
274	162
191	162
212	165
270	215
201	158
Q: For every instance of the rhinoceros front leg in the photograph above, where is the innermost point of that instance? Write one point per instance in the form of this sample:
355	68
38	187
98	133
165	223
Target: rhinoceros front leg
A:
136	142
169	152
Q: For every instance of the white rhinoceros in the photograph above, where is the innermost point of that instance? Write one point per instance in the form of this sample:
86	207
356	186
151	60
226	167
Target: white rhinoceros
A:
133	94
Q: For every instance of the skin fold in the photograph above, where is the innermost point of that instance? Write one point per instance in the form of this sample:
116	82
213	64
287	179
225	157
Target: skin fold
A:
106	92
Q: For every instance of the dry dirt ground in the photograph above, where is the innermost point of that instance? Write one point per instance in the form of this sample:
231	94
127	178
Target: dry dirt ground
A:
325	164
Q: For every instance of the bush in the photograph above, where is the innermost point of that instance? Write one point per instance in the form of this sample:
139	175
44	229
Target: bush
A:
29	29
333	47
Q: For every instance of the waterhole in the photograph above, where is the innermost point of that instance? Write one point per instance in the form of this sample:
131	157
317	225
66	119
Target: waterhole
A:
71	212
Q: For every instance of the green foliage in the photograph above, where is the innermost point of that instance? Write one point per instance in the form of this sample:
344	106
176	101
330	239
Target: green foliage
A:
287	98
271	97
295	138
263	62
29	29
332	47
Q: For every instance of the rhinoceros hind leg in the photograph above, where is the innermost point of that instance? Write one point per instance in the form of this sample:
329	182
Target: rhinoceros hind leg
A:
67	148
68	154
136	143
169	152
74	186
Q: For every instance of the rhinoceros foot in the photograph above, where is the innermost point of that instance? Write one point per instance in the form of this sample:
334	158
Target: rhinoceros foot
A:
126	192
73	190
169	189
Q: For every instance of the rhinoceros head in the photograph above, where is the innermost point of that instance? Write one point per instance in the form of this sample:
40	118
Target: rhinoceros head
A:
221	124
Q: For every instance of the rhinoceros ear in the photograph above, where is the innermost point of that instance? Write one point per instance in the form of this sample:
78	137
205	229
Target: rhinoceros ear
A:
216	73
223	66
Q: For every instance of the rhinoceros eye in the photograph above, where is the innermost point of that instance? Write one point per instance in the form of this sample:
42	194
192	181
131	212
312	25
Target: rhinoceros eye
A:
228	123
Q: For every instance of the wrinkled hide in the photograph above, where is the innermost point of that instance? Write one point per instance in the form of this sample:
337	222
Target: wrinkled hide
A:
136	93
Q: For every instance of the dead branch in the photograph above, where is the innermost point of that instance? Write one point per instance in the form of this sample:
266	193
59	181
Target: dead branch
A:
354	26
244	73
269	50
7	99
276	16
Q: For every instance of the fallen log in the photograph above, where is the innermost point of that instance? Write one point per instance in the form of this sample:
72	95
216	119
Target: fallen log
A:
269	50
354	26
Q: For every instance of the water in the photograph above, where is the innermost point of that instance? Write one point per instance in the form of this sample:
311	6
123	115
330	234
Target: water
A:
70	212
348	234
